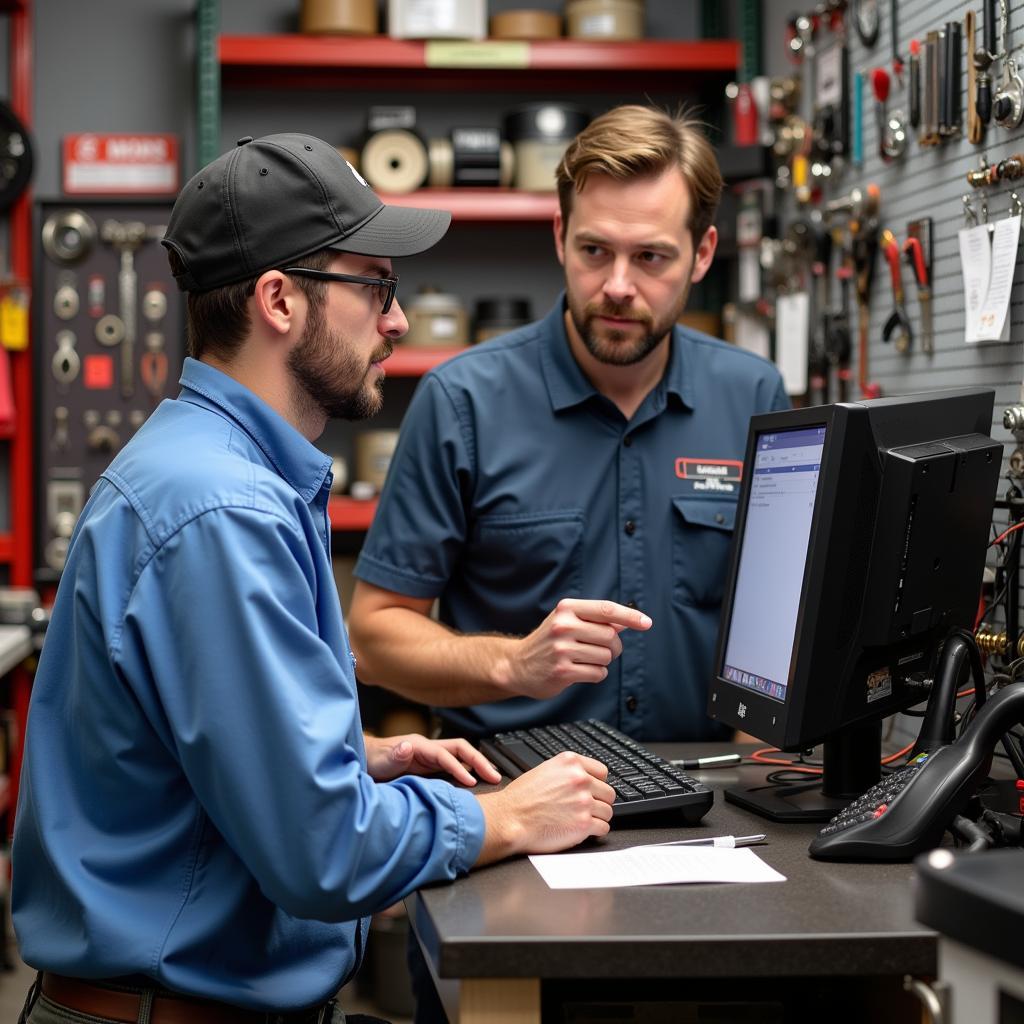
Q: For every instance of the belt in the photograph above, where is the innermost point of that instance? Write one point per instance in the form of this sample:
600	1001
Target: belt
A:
124	1005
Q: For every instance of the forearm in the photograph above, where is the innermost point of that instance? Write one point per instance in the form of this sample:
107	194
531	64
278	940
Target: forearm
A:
411	654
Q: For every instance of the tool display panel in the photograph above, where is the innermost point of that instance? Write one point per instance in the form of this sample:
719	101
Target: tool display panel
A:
109	340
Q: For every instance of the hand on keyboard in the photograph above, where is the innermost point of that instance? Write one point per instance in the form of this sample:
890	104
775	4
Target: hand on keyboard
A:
551	808
648	789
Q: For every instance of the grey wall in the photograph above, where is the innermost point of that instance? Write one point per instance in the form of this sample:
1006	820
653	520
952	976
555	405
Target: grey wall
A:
929	182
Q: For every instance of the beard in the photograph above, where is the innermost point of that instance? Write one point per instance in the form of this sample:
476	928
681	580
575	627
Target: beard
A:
331	375
622	347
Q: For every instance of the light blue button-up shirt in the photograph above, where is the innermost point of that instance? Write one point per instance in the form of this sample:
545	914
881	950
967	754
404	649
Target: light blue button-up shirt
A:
195	805
516	483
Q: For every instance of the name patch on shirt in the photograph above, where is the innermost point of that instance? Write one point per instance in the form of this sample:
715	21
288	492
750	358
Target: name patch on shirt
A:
711	474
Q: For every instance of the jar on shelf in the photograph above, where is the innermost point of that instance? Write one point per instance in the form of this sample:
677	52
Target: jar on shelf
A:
539	133
436	320
499	315
374	449
339	17
605	19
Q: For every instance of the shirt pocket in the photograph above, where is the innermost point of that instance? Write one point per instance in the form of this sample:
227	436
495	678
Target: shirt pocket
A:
526	563
702	531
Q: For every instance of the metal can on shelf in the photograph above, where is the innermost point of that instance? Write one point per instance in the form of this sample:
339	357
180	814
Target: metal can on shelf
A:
437	19
374	449
605	19
339	17
539	133
436	320
526	24
499	315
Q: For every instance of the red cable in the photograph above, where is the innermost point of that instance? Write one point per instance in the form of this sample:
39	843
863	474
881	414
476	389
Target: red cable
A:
1006	533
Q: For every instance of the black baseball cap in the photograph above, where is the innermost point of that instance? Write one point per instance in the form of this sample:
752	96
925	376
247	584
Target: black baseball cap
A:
273	200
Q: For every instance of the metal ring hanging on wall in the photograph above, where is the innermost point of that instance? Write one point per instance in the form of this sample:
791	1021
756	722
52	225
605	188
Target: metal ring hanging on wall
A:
16	159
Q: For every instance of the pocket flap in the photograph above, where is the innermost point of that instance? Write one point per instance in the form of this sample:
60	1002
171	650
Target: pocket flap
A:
718	513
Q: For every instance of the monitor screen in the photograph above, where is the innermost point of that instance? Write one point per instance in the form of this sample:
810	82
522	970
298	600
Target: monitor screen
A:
783	492
861	531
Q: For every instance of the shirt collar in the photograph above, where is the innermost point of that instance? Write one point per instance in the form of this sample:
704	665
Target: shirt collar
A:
566	383
297	460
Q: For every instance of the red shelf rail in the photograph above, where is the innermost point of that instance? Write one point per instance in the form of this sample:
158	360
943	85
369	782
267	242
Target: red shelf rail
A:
414	362
486	205
349	514
305	61
17	545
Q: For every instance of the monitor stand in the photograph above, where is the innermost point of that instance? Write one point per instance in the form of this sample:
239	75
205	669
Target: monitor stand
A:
852	760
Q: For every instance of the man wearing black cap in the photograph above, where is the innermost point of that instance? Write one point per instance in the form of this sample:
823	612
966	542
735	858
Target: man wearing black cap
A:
202	826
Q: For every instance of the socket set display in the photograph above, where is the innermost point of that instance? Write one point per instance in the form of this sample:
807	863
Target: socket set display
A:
110	344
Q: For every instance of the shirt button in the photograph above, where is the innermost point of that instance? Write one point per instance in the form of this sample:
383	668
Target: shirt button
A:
631	604
631	703
628	440
719	518
630	527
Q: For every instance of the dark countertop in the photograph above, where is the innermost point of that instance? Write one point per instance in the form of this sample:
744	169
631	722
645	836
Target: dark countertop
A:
826	919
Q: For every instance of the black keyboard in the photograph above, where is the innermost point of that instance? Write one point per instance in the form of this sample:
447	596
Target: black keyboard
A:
646	786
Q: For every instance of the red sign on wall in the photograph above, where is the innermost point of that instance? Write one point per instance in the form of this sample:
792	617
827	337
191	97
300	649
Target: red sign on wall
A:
107	164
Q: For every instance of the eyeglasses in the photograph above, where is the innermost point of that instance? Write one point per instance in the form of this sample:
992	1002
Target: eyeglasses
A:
386	286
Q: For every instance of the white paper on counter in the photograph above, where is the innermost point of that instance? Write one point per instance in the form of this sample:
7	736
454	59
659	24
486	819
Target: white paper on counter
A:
652	865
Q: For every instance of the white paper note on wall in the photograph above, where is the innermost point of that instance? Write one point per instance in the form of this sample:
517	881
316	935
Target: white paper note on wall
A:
988	258
752	334
792	338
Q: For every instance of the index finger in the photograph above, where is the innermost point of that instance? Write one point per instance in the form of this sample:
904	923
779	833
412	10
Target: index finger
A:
613	613
472	758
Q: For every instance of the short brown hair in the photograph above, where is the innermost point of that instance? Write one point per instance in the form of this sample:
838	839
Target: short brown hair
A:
635	141
217	321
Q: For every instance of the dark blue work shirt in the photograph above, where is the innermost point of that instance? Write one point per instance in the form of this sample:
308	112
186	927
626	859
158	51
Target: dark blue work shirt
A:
515	484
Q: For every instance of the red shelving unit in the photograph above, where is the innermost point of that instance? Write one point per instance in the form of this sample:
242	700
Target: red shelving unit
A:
490	205
414	362
349	514
16	546
326	61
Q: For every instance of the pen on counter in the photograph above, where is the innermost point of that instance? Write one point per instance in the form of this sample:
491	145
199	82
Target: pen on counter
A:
725	842
719	761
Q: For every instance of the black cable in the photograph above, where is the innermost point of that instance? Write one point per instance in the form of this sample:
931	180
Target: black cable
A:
970	832
1014	754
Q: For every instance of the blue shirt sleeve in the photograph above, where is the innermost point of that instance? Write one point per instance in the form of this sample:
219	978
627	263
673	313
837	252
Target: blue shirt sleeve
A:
264	720
419	528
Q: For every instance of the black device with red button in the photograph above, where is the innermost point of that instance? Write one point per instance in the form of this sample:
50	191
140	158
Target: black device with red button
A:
907	812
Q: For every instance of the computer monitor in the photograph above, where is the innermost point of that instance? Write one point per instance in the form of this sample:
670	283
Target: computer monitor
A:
860	544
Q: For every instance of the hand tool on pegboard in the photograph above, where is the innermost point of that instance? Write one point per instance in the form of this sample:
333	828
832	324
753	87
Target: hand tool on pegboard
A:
917	249
125	237
979	85
861	206
897	327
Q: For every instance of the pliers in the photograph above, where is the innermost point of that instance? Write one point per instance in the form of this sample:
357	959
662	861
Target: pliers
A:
897	327
914	252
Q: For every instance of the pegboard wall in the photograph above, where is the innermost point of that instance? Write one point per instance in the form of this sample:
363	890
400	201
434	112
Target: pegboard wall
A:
924	182
930	182
109	348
